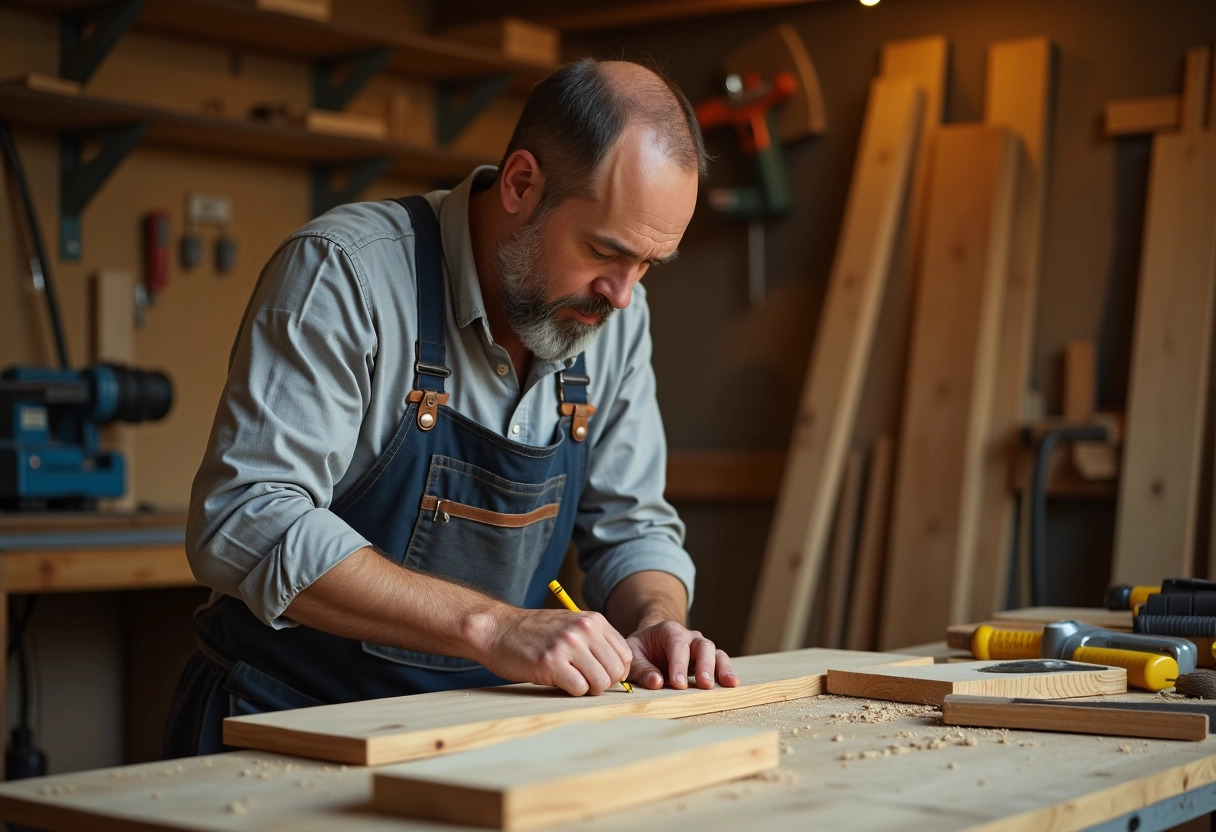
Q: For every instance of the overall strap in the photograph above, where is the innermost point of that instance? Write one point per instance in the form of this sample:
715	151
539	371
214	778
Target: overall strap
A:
429	367
572	393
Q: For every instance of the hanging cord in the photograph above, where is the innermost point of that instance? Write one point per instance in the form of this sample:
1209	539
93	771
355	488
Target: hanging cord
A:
43	264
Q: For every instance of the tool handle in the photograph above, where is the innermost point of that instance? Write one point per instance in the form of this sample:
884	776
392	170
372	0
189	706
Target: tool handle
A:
1147	671
990	643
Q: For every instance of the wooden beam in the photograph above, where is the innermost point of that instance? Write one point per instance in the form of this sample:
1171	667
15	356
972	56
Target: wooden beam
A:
410	727
1132	116
865	602
623	15
1018	96
1078	381
1193	112
830	395
573	772
930	684
951	371
1006	712
844	546
1158	494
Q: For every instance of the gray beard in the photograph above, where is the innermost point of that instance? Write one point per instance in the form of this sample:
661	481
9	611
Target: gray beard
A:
523	278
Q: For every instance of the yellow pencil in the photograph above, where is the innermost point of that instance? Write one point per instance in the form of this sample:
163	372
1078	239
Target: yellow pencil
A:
569	604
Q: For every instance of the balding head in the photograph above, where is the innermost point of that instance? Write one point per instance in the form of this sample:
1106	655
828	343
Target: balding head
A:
575	116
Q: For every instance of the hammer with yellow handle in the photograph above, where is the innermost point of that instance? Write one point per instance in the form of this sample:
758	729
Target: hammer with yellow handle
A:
1152	662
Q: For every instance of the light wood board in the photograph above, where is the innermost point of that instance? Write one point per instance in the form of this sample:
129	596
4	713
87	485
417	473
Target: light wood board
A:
409	727
866	595
1004	712
573	772
929	684
1195	80
794	553
1018	96
951	366
844	545
924	61
1158	493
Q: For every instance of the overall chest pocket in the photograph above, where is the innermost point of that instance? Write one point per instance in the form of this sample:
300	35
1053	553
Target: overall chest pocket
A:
481	530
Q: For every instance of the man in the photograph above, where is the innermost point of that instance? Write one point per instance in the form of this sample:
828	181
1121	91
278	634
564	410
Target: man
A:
428	399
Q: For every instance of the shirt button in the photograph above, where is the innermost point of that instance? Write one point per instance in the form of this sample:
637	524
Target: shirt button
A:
502	369
515	429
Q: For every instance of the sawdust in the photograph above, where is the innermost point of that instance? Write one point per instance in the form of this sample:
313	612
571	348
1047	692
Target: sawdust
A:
953	766
240	807
1124	749
874	712
776	775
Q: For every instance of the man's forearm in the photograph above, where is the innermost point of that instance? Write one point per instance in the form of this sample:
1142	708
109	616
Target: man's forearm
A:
646	598
369	598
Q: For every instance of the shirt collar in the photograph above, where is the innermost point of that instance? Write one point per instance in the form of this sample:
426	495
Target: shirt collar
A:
467	300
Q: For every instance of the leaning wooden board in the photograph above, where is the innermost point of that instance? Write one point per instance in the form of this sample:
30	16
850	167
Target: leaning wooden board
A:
1159	486
930	684
1027	783
794	552
408	727
573	772
952	365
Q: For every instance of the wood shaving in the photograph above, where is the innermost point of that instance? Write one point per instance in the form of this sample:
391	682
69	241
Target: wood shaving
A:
1124	749
953	766
240	807
838	738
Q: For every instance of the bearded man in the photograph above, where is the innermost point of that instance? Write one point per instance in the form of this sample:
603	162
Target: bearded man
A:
428	400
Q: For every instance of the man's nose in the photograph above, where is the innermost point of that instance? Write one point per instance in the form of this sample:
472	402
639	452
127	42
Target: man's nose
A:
617	287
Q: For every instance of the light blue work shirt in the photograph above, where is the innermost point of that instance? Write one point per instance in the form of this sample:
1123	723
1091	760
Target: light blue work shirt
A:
317	386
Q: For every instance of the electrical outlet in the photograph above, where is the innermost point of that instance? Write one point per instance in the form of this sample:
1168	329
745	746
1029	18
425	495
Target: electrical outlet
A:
204	209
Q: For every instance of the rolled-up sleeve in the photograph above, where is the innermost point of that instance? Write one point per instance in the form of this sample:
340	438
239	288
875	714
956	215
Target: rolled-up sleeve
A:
624	525
299	381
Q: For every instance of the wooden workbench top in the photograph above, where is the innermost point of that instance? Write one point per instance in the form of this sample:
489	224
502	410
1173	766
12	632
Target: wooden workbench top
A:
846	763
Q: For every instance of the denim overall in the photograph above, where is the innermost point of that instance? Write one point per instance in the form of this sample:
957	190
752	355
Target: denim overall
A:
446	497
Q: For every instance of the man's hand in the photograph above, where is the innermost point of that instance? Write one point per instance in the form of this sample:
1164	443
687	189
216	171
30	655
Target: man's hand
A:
577	652
667	653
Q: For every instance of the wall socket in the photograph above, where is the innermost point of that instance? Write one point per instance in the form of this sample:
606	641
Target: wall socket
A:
205	209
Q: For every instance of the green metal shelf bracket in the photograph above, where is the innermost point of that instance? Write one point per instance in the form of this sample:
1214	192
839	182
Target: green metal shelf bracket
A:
79	180
354	179
457	103
335	81
87	35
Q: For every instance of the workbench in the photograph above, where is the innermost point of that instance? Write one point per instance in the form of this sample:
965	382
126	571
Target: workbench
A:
94	552
846	763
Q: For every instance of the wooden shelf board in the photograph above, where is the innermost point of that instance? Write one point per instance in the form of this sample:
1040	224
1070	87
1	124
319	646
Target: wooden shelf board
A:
272	142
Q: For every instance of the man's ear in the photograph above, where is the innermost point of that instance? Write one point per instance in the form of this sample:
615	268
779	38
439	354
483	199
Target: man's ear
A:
520	183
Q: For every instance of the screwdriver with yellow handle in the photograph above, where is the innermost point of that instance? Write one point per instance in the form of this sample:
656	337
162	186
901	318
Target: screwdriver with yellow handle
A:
568	602
1151	662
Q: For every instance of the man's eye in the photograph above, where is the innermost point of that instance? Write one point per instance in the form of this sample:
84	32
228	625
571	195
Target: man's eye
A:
595	252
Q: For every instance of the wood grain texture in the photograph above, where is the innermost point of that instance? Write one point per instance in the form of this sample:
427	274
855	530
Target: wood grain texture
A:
1004	712
1018	96
951	367
96	569
1132	116
1195	80
573	772
794	553
865	598
409	727
929	685
844	548
1158	490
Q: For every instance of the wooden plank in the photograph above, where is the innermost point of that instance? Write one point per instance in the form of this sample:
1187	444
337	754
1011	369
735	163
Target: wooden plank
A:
930	684
924	61
1193	110
96	569
1079	381
1005	712
866	596
844	546
794	552
722	476
408	727
1133	116
516	39
573	772
622	15
951	366
1018	96
1158	490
